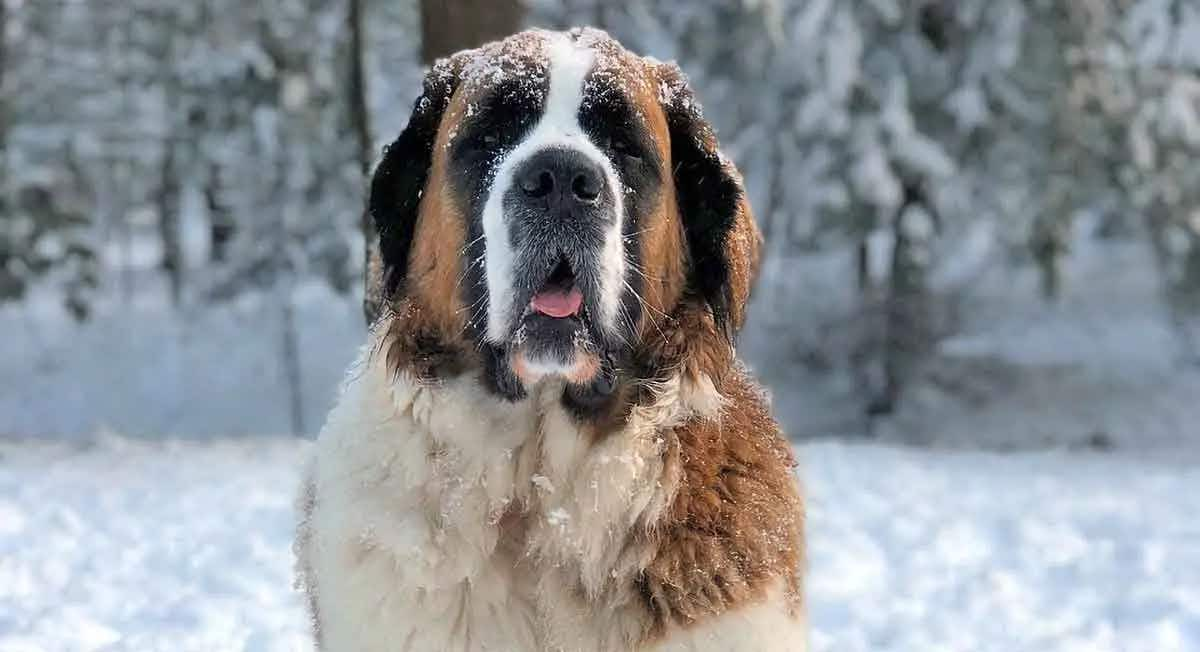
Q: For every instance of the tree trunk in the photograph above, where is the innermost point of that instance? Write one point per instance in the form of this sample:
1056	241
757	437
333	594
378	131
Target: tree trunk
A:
4	94
291	362
221	225
1049	245
908	336
448	26
168	218
124	164
360	118
862	266
167	199
1179	274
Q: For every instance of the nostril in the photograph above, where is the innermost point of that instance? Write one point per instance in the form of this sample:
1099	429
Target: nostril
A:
586	186
538	184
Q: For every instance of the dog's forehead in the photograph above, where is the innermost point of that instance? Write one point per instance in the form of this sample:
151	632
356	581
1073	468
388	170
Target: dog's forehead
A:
519	59
618	71
526	62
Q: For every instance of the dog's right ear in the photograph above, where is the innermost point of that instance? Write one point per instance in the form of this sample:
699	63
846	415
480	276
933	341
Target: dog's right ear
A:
399	180
724	243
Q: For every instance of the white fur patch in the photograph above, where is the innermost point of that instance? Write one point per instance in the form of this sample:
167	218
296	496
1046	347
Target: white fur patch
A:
764	627
539	367
558	127
701	394
411	482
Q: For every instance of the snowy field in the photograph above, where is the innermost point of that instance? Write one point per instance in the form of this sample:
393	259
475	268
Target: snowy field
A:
186	546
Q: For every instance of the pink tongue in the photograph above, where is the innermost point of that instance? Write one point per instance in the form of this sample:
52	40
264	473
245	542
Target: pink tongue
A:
556	303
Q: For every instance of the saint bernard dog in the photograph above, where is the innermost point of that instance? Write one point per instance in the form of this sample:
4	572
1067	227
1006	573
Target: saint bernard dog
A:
548	442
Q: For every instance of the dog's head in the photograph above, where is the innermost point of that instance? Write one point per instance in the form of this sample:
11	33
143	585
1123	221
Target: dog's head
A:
558	208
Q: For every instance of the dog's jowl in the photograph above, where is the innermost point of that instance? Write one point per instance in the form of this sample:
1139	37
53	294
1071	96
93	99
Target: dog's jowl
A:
547	442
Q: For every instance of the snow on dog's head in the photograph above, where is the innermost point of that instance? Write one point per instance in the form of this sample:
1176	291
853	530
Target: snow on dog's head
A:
554	203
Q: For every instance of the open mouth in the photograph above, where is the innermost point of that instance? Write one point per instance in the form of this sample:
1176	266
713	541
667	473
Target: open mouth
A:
559	297
553	338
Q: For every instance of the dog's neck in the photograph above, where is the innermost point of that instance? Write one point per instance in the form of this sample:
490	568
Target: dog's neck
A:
500	485
568	480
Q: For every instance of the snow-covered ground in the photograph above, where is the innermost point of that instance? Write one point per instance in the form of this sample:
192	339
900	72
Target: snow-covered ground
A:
927	551
179	546
137	546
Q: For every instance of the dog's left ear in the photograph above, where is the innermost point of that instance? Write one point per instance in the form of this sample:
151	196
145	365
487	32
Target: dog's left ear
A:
723	241
399	180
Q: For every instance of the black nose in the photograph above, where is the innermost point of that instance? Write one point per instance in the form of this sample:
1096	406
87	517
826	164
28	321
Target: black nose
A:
561	177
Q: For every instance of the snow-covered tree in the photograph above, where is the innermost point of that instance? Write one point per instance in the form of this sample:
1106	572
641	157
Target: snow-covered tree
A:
894	150
1162	41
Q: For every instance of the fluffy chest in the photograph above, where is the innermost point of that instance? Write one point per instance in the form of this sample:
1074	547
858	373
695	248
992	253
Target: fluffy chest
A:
447	521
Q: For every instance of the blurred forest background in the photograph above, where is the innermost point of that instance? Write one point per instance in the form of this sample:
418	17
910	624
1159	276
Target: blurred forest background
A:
982	216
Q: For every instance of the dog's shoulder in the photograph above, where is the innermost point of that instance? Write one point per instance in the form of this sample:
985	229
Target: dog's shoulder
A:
733	537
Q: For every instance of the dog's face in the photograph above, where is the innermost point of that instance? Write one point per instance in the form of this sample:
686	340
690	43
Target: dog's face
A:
555	201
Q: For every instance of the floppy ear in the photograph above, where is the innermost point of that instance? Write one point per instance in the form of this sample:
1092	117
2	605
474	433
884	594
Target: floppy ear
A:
723	240
399	180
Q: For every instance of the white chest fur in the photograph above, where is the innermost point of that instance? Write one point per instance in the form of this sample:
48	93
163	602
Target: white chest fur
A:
446	519
441	518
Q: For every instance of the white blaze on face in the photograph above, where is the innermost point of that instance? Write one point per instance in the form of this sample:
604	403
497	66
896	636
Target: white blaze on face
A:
558	127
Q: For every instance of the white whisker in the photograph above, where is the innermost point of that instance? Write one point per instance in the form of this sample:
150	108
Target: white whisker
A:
468	246
648	309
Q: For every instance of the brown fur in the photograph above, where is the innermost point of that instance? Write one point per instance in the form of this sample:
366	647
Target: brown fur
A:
736	524
433	310
662	241
679	332
416	343
435	268
689	342
744	246
587	365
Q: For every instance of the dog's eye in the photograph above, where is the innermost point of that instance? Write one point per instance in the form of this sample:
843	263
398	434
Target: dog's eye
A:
624	147
488	142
